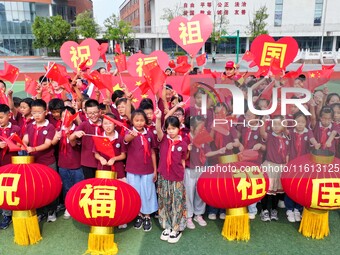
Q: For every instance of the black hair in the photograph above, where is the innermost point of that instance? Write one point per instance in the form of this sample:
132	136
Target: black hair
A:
146	106
42	79
329	96
147	102
224	105
121	100
102	106
180	109
195	120
299	114
168	87
335	105
70	109
117	94
39	103
91	103
111	115
55	104
4	108
199	91
139	112
100	68
1	81
173	121
16	101
180	98
27	101
325	110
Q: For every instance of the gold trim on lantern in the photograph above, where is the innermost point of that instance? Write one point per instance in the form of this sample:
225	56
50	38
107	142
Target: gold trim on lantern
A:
322	156
106	174
24	214
237	211
228	159
101	230
22	160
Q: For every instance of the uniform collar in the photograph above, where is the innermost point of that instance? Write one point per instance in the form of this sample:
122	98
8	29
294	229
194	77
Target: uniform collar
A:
114	137
8	126
44	125
144	132
179	138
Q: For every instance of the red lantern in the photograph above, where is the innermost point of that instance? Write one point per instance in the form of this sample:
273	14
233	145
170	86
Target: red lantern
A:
233	186
313	180
25	186
102	203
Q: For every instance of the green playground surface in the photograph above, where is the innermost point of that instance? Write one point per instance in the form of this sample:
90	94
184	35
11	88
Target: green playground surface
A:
68	237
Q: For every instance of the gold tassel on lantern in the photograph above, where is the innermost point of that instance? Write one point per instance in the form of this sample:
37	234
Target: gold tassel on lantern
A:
25	223
314	223
26	227
236	225
101	239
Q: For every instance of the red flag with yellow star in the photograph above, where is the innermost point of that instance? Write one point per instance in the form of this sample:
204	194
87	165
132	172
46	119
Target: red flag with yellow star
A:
248	56
120	61
10	72
102	50
318	78
104	146
154	76
117	49
30	85
201	59
57	73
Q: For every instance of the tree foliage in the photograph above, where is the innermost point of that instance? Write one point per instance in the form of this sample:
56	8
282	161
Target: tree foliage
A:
51	32
118	30
169	13
257	26
220	23
86	25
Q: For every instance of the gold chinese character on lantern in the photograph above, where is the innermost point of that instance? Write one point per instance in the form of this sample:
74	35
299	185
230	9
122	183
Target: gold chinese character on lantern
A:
326	193
256	183
9	185
80	54
190	33
271	51
102	204
141	62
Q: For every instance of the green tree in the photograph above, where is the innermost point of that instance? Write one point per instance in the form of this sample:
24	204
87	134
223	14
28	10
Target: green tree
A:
86	25
220	23
118	30
51	32
257	26
169	14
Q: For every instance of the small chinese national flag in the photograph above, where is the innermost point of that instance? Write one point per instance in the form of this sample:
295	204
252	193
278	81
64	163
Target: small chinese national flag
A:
30	85
248	56
202	137
181	59
11	146
200	60
10	73
82	65
318	78
120	61
268	91
104	146
144	87
154	76
15	138
117	49
102	50
69	118
108	66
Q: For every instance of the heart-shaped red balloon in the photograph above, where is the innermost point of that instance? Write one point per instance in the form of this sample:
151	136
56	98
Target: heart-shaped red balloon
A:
191	34
73	54
264	47
136	62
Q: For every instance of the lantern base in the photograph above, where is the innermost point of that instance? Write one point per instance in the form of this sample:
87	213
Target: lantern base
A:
26	227
314	223
236	225
101	241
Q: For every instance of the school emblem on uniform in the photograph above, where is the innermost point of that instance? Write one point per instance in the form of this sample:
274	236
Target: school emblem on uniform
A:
149	139
155	132
328	133
255	137
44	132
287	142
179	148
306	138
118	145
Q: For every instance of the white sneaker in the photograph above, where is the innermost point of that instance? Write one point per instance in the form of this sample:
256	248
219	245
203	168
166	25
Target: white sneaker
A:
273	215
190	224
290	216
174	236
199	219
165	234
281	204
212	216
122	226
51	217
297	215
252	216
66	215
222	216
265	215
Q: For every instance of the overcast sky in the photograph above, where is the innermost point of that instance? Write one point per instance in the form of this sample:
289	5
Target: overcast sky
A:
104	8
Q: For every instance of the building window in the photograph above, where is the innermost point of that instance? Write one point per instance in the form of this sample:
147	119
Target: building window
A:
278	13
318	12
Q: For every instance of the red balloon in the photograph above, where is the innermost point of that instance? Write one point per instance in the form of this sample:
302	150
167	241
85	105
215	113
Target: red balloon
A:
312	184
233	185
172	64
28	186
103	202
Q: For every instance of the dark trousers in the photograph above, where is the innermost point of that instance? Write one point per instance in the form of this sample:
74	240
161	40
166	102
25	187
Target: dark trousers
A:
89	172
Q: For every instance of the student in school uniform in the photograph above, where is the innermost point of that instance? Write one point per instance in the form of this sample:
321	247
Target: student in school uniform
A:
93	126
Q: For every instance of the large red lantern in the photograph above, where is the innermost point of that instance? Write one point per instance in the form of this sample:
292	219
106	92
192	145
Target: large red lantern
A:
102	203
234	186
25	186
313	180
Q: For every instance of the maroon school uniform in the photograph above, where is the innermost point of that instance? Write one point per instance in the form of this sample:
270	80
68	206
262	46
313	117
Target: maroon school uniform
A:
321	135
82	116
184	131
118	147
69	156
54	122
192	111
249	138
138	159
23	123
126	123
197	156
5	154
277	148
87	156
114	111
337	139
36	137
171	155
229	138
299	143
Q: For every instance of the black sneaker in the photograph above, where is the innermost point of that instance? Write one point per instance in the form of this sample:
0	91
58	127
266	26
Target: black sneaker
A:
41	217
147	225
174	236
138	223
6	221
